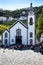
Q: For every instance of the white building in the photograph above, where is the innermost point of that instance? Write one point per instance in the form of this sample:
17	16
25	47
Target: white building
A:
21	33
22	18
3	18
10	19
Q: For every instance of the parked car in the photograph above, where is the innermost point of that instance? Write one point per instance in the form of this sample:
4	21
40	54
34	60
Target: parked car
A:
32	47
18	46
41	48
11	47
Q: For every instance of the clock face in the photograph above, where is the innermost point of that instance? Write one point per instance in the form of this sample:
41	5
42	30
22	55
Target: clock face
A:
31	12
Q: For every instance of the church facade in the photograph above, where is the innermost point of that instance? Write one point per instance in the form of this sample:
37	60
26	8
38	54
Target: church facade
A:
20	33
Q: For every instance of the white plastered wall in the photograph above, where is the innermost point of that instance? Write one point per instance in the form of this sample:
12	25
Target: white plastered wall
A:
23	33
31	28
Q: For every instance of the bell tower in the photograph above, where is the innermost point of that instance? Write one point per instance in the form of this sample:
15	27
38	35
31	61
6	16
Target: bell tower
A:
31	26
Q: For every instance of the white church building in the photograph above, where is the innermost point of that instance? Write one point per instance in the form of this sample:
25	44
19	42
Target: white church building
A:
19	33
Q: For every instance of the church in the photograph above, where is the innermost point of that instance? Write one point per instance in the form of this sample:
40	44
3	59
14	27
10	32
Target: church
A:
19	33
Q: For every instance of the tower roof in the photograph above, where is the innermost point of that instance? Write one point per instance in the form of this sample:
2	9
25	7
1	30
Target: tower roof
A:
30	4
31	8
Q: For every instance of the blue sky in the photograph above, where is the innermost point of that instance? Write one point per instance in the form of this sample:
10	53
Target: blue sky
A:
18	4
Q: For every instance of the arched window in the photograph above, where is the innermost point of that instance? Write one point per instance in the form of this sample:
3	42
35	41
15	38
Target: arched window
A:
18	32
31	21
31	34
12	40
6	34
6	41
31	41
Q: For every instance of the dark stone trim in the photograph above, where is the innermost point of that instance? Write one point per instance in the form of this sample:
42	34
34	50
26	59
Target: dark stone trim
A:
27	31
16	23
9	38
5	30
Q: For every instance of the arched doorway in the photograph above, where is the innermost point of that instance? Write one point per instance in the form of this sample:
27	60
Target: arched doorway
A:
18	37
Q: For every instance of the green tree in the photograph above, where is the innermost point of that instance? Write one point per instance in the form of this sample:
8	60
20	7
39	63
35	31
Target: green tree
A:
39	29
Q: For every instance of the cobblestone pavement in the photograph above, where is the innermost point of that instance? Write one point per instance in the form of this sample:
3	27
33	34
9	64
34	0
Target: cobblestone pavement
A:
18	57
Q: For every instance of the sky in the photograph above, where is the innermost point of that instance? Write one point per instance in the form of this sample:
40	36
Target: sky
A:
18	4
